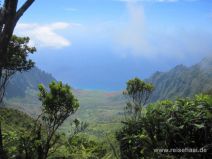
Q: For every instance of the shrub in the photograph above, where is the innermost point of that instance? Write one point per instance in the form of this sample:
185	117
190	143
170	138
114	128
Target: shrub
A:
184	123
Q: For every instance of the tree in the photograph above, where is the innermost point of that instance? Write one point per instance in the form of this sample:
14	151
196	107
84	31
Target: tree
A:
18	51
9	16
137	93
57	105
84	147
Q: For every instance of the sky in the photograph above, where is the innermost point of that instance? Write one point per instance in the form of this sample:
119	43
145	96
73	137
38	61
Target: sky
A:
100	44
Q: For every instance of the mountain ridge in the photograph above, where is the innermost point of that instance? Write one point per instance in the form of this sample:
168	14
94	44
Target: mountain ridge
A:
106	108
182	81
21	82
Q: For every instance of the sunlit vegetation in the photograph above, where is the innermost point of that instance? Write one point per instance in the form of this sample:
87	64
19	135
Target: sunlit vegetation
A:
180	124
42	118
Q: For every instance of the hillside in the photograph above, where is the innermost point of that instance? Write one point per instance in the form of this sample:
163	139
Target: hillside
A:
182	81
99	107
104	108
178	82
14	120
23	82
14	123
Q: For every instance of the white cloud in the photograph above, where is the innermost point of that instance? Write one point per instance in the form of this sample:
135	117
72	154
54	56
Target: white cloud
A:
45	35
132	36
135	38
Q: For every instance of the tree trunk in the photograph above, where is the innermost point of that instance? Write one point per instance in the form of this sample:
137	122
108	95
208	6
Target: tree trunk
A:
8	19
40	151
2	152
9	16
1	141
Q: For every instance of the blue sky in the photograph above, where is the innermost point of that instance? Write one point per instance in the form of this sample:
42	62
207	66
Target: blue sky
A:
100	44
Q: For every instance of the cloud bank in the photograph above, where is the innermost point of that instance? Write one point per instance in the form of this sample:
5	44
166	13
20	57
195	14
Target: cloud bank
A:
135	38
45	35
132	35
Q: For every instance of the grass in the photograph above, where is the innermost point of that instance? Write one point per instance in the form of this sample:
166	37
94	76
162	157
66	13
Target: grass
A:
101	110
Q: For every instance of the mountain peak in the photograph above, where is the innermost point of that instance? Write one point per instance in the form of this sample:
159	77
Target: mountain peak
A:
206	63
29	80
182	81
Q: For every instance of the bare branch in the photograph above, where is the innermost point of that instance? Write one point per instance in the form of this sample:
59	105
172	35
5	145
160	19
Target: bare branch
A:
23	8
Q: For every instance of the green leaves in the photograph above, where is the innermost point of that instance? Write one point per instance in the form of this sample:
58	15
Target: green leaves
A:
59	100
18	52
183	123
199	126
57	105
137	93
84	147
16	60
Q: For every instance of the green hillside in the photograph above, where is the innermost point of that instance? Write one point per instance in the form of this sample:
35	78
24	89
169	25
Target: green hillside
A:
182	81
21	83
100	108
13	124
14	120
104	109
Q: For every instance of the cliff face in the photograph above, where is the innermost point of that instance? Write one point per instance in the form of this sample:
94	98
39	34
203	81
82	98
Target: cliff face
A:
182	81
21	82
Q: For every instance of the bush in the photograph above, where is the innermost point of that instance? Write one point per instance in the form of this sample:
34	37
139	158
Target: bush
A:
185	123
85	148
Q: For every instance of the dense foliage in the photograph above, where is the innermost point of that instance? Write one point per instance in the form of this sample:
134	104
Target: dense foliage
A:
166	125
184	123
20	140
17	55
37	138
16	61
10	13
84	147
15	125
57	105
162	126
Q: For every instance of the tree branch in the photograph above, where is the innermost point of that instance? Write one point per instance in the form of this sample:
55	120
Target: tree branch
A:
23	8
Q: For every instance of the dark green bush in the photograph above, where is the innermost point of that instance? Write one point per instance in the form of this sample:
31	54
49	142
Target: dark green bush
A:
185	123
